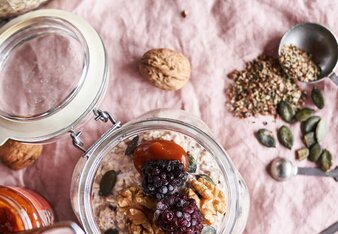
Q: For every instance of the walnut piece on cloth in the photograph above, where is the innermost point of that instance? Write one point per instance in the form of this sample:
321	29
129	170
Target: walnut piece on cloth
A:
9	8
209	199
137	207
165	68
17	155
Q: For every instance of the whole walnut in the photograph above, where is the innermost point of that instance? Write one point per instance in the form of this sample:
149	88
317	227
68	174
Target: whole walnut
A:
165	68
17	155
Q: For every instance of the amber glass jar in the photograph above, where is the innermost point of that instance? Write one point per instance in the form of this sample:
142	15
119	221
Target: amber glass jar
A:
22	209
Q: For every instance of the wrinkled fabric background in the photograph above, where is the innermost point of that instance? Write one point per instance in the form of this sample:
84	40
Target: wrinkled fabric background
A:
217	37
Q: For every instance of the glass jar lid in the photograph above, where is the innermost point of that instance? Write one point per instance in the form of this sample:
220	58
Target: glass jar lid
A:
53	71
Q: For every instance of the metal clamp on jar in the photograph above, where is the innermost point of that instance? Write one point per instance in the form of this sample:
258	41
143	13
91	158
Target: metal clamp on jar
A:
57	103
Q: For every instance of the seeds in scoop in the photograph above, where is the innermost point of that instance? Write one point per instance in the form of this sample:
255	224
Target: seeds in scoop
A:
208	230
302	153
285	136
298	64
304	114
192	165
132	146
107	183
309	139
266	138
317	98
320	130
285	111
315	152
325	160
310	124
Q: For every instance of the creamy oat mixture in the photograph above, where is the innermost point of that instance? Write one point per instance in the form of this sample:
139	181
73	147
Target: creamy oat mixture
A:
106	208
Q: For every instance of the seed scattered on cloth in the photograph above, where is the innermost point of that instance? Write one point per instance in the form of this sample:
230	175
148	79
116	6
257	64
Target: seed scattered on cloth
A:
298	64
260	87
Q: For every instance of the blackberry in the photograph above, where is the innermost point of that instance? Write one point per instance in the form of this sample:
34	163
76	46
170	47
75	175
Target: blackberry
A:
162	177
178	214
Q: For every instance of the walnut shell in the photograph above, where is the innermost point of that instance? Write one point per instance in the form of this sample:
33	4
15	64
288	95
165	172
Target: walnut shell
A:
17	155
165	68
10	8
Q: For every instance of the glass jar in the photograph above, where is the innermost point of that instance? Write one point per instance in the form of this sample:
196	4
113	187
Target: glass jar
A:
22	209
176	121
34	109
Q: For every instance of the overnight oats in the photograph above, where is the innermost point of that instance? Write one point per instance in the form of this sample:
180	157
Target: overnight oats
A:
159	181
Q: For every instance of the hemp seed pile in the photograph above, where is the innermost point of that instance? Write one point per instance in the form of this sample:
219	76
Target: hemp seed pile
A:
298	64
260	87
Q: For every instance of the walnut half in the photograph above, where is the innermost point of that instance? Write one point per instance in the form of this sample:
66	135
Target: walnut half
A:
209	199
137	208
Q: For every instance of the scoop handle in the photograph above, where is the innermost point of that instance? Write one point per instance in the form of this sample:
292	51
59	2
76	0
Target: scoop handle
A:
318	172
334	78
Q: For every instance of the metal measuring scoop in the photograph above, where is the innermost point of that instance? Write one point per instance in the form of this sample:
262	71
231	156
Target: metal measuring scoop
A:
282	169
319	42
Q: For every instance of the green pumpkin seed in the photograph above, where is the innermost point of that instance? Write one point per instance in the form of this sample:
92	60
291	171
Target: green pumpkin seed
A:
132	146
205	177
317	98
285	111
192	166
111	231
320	130
310	124
266	138
315	152
208	230
285	136
303	114
302	153
309	139
107	183
325	160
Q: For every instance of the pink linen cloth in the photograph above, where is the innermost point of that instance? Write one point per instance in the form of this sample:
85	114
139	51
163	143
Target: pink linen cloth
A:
217	37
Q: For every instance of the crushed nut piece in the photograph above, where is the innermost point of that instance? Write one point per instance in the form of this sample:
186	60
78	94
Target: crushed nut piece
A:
260	87
298	64
137	207
184	13
209	199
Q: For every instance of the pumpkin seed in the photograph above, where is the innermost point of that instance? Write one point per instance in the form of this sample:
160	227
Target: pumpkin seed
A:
315	152
266	138
320	130
302	153
205	177
111	231
132	146
309	139
107	183
285	136
310	124
317	98
192	166
285	111
303	114
208	230
325	160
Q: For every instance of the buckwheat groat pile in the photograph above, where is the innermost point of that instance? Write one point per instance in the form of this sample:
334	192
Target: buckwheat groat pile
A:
260	87
182	191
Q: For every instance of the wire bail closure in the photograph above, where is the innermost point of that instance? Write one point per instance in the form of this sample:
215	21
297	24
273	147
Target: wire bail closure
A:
100	115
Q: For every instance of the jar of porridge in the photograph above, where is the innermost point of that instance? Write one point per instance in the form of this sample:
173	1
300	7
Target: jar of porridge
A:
22	209
162	172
